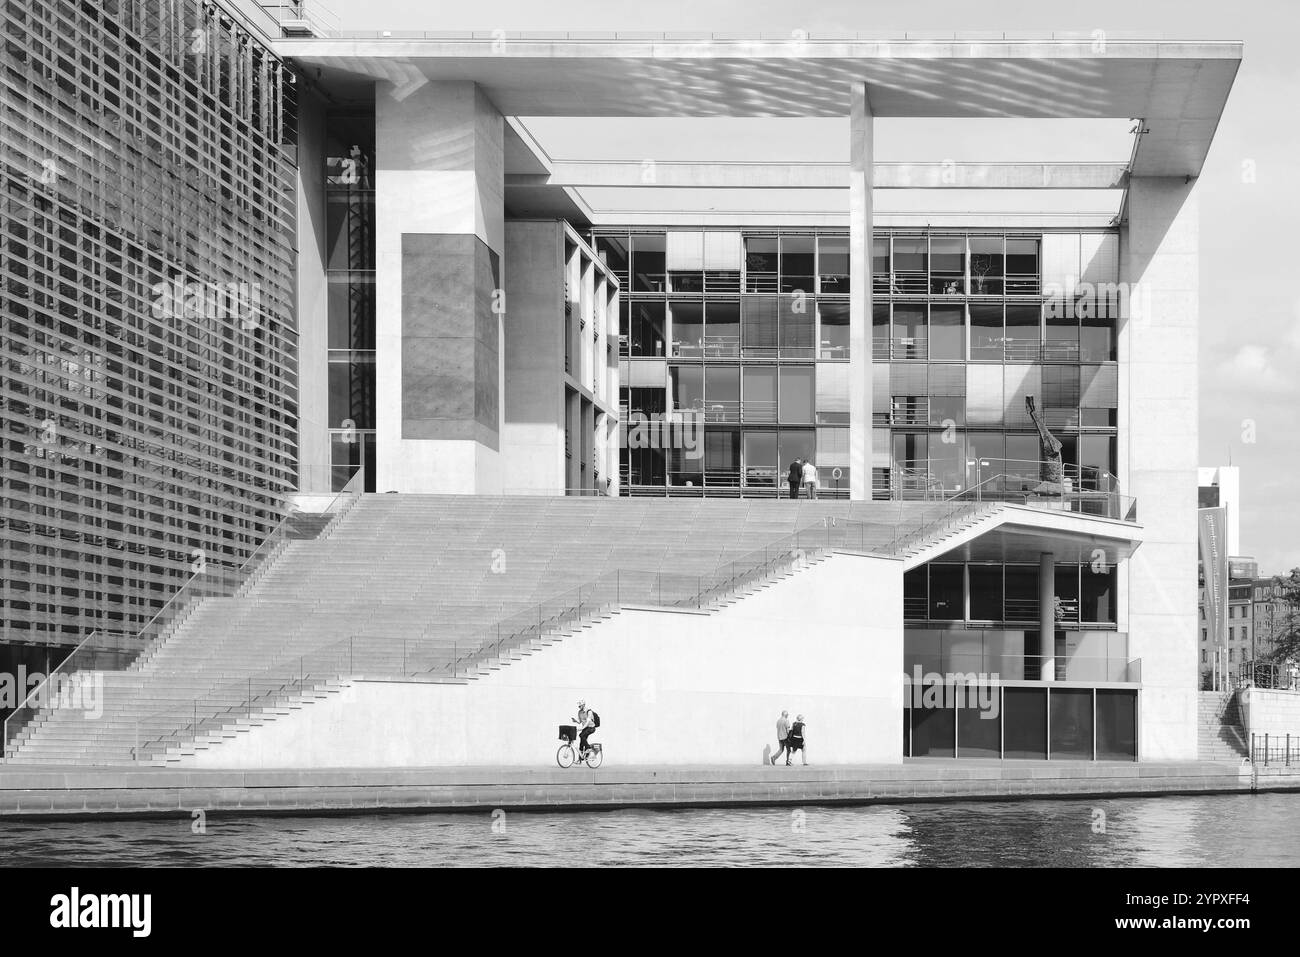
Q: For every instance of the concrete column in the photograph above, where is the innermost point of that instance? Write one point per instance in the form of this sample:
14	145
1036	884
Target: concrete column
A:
439	237
861	145
1047	615
1157	344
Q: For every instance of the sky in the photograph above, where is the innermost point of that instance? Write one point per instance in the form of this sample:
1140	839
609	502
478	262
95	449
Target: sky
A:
1249	189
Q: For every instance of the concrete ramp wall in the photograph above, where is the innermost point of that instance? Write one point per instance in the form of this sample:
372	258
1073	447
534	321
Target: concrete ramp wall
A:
671	688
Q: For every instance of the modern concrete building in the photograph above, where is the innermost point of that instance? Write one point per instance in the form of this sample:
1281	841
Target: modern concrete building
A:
1014	394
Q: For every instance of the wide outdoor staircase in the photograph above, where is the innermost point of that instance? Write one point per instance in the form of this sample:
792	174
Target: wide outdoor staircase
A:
418	586
1221	734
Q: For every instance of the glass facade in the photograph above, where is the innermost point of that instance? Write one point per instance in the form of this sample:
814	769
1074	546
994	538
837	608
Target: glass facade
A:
963	329
146	296
753	331
350	273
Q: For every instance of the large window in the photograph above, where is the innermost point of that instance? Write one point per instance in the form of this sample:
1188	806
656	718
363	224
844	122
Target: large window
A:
646	328
986	265
721	329
986	331
760	264
760	461
947	265
648	263
834	320
797	264
759	394
1023	341
688	329
796	394
758	333
947	332
1022	267
911	337
722	393
833	264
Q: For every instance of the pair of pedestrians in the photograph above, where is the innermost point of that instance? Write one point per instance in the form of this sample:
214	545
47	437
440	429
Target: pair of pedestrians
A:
790	738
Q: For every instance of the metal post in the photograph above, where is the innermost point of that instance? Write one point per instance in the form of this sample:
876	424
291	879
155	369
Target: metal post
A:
403	656
1265	749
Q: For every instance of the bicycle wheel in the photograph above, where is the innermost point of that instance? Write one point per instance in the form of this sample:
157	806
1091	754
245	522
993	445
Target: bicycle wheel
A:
594	757
564	756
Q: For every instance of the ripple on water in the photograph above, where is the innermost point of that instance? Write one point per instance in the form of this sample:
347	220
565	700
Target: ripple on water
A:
1245	830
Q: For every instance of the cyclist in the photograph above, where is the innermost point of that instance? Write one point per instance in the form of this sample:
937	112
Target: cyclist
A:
587	722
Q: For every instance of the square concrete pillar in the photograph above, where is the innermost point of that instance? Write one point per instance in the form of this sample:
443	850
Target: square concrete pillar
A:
861	146
439	238
1158	453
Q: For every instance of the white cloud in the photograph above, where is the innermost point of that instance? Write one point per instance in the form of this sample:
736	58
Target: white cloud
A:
1252	369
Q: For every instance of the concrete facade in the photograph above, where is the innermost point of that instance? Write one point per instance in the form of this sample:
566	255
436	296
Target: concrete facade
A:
671	688
1158	453
439	175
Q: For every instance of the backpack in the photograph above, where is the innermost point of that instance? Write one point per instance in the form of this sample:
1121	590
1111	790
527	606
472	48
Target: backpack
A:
595	720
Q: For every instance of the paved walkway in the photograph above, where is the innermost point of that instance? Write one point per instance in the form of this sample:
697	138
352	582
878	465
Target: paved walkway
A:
31	791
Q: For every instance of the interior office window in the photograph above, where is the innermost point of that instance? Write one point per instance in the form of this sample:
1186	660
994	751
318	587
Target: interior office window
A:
646	466
947	265
613	250
986	265
879	329
1022	456
1116	725
1022	266
911	452
760	264
880	264
648	263
1024	722
722	456
1060	336
986	331
1096	339
916	594
797	325
1071	723
646	334
985	592
833	320
685	468
1021	590
911	265
1097	462
1066	587
722	393
758	394
1023	336
948	461
797	394
1097	595
947	332
758	448
946	597
833	264
758	327
795	444
648	400
687	384
688	329
1060	386
721	329
911	335
797	264
984	447
947	410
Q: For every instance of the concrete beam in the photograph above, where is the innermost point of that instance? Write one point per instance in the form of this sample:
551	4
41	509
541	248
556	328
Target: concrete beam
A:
947	175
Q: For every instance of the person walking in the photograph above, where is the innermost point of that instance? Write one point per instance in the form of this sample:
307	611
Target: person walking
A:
782	735
810	478
795	478
796	742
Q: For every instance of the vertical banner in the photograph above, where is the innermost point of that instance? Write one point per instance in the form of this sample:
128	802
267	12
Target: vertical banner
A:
1213	535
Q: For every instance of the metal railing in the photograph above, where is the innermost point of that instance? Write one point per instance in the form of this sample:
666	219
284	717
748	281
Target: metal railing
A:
1271	750
1019	667
124	650
438	658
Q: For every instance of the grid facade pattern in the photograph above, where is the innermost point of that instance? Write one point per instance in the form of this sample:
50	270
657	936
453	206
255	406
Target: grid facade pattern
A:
146	295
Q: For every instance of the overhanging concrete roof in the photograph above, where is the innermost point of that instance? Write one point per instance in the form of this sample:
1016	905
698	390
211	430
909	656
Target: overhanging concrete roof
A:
1178	88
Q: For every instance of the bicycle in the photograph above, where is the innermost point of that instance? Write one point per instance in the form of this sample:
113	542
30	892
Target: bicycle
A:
567	754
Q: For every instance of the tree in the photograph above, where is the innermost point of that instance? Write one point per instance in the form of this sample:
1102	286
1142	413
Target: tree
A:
1285	644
